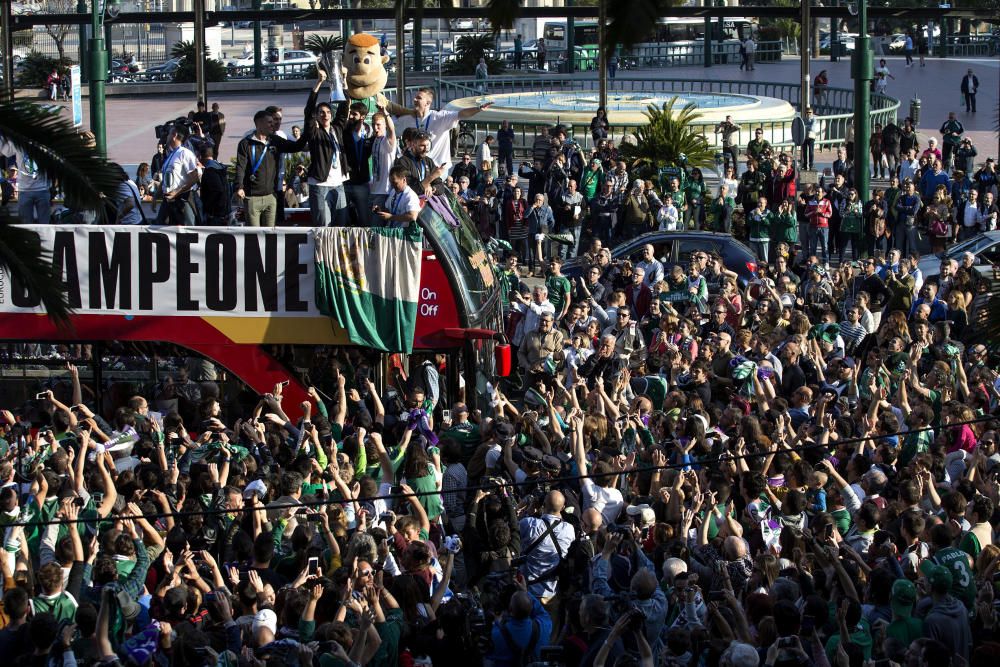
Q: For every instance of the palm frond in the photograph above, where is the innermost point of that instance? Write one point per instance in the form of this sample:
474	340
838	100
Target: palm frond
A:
630	22
669	138
502	14
60	152
30	266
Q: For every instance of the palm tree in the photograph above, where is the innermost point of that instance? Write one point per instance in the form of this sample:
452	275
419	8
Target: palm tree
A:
324	47
468	50
65	155
215	70
668	139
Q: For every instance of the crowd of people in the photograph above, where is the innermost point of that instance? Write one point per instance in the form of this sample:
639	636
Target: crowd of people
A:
685	468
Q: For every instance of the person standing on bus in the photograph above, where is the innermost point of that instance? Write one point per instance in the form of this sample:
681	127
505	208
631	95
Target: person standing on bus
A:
437	124
518	51
328	164
256	169
383	154
421	172
403	205
541	55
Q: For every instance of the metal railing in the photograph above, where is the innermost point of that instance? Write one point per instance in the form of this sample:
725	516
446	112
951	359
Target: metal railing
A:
835	113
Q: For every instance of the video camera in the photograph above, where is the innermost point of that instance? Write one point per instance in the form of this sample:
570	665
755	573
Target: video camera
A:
163	131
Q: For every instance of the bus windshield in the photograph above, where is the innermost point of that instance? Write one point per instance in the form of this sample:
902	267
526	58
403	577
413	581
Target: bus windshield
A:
452	234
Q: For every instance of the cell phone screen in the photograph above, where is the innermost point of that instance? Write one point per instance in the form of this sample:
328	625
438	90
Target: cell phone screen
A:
313	566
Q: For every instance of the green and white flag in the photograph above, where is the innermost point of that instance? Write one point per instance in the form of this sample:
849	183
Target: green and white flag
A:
368	278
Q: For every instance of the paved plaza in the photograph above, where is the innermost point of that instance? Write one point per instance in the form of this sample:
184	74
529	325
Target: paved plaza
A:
131	119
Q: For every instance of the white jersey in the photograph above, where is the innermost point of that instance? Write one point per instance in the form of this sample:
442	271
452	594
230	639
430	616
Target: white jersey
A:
438	124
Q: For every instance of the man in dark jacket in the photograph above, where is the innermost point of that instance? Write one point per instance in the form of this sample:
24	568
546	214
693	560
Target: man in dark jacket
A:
328	168
216	202
603	366
890	146
256	171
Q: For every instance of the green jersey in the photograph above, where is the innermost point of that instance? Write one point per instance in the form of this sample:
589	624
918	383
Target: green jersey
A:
559	291
963	581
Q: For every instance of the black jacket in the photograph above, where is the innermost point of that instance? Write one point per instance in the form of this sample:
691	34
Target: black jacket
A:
322	144
262	181
360	170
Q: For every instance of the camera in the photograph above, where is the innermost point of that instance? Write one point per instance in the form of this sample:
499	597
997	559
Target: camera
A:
163	131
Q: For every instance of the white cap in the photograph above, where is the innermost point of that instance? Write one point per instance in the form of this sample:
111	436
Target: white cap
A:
265	618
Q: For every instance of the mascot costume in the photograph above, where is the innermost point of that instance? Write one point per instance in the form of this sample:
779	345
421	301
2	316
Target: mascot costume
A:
363	71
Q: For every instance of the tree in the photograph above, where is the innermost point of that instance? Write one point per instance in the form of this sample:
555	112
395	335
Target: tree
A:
468	50
669	139
65	155
215	70
58	32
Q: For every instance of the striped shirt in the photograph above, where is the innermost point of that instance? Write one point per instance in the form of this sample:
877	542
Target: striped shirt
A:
852	334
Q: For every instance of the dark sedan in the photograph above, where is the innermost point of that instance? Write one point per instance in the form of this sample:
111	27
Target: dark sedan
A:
676	248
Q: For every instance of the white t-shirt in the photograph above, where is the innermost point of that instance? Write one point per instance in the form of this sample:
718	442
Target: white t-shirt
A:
438	124
335	177
29	179
608	502
383	155
399	203
176	165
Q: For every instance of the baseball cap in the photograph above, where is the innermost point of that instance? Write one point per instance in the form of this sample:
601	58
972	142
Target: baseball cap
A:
939	578
643	515
265	618
904	595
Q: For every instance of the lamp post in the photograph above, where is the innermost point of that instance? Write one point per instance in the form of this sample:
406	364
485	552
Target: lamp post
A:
861	71
81	8
98	73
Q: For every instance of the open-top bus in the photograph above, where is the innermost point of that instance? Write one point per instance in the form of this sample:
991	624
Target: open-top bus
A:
149	301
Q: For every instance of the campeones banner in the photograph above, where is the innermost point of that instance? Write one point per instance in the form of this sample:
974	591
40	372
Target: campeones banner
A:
131	270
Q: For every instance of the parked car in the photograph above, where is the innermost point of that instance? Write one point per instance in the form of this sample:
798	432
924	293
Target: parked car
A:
985	247
162	72
676	248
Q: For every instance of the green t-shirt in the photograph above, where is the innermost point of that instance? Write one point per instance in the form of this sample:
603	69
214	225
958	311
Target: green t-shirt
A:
431	502
861	635
467	435
914	444
62	606
559	291
389	632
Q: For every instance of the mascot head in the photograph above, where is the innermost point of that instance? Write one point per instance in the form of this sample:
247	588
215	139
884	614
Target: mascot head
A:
364	66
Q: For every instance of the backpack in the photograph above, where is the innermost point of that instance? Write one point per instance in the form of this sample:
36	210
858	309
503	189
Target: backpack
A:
521	656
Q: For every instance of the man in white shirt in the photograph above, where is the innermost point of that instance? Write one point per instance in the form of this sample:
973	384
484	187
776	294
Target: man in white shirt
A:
532	310
908	166
653	267
437	124
403	205
970	216
178	181
383	155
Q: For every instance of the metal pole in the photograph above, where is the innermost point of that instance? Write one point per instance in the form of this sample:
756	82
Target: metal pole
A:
835	36
81	8
708	41
570	41
862	73
98	70
602	54
6	31
201	85
943	42
258	60
400	60
805	84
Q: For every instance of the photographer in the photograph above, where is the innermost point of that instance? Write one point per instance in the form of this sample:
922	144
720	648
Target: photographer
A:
518	636
644	593
546	539
491	539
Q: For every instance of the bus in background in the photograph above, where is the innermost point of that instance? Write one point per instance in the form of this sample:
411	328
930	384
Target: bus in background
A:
671	30
232	312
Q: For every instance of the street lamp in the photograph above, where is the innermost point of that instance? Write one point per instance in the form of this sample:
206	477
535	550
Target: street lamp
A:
99	70
861	72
